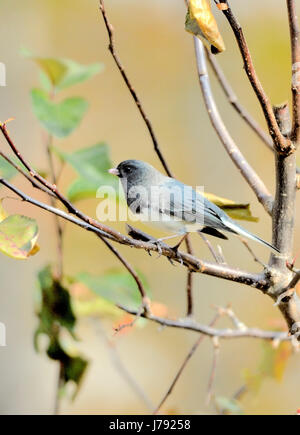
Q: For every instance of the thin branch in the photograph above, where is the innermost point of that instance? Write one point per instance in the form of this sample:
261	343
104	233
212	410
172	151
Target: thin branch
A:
28	177
111	47
232	316
189	283
58	226
191	325
211	248
121	368
281	144
250	250
295	52
260	190
183	365
216	351
233	100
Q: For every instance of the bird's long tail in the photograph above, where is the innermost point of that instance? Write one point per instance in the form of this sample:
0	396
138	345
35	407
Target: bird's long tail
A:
237	229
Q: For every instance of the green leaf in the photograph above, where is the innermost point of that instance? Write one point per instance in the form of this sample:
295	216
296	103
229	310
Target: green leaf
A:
72	367
18	235
60	119
56	303
55	312
82	189
228	406
6	170
63	73
116	286
92	165
95	307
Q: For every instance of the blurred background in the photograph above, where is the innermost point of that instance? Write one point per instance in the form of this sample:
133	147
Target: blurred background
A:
159	58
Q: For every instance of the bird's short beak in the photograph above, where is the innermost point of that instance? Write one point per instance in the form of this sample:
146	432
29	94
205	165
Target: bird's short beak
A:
114	171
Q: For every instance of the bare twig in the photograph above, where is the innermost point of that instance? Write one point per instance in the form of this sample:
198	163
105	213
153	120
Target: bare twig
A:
111	47
281	144
183	365
189	283
191	325
295	52
228	311
210	247
233	100
260	190
28	177
58	226
216	351
121	368
250	250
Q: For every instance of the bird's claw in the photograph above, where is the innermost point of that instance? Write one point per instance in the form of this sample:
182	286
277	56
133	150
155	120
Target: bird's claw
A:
178	255
159	249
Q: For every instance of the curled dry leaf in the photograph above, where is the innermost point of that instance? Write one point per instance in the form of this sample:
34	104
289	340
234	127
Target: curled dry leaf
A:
201	23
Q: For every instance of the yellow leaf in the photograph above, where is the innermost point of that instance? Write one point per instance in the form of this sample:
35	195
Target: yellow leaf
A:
233	209
35	249
201	23
280	360
3	214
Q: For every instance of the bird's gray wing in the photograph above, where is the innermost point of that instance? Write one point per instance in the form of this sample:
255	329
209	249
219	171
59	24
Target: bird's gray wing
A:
190	206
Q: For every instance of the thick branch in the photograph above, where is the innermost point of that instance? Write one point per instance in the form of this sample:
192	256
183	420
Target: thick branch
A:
260	190
283	230
295	51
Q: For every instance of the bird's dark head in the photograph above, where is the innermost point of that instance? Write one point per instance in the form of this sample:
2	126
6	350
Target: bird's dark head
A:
134	171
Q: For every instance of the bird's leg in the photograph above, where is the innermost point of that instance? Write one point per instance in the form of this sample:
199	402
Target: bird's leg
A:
175	248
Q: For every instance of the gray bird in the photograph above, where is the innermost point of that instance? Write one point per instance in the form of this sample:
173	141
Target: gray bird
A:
173	206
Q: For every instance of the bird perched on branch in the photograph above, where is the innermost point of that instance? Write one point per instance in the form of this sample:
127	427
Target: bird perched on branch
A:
173	206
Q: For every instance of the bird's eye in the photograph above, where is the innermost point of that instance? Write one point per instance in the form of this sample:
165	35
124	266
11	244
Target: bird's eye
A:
128	169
